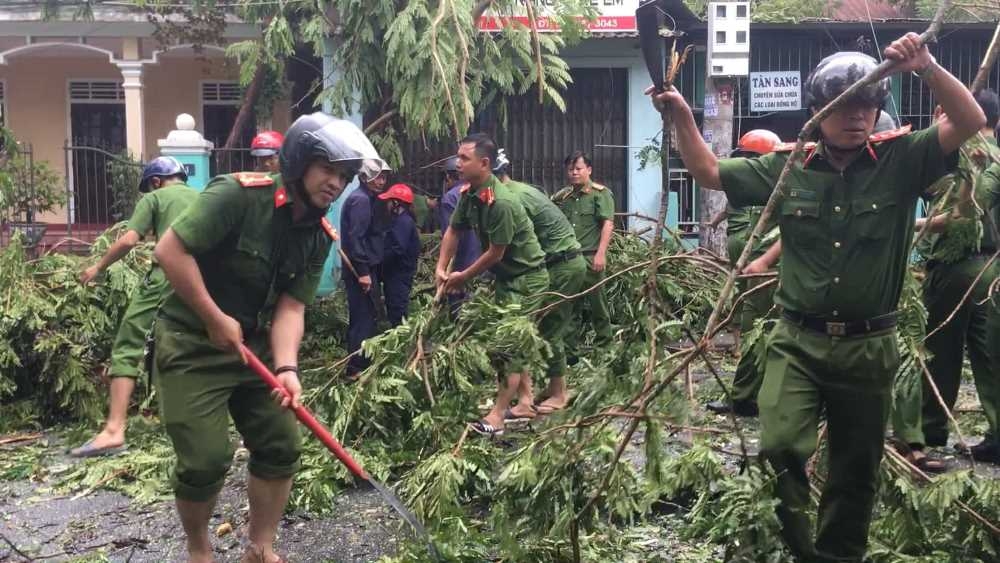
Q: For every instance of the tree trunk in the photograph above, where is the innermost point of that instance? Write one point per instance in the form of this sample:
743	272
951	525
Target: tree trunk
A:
246	110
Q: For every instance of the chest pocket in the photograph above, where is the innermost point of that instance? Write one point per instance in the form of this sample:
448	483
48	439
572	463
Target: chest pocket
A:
255	250
800	218
874	218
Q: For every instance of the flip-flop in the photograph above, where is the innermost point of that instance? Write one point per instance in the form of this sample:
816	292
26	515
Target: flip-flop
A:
930	465
485	428
509	416
89	450
543	409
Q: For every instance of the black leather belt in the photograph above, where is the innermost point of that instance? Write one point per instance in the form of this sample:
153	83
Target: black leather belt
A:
841	328
561	257
502	277
589	252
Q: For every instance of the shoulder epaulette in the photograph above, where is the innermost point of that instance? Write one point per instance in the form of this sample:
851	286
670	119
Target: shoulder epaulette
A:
253	179
330	231
562	194
891	134
598	187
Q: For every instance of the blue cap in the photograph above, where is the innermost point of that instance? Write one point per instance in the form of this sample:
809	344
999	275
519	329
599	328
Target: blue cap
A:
161	166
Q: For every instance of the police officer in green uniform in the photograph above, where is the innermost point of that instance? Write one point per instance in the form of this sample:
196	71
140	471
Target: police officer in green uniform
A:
846	222
590	208
166	198
957	258
567	270
759	304
510	251
244	261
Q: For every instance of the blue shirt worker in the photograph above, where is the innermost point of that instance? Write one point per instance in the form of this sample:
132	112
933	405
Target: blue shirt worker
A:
402	249
363	223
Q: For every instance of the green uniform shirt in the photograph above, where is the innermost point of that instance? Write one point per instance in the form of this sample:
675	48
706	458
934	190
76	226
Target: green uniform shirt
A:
497	217
846	235
740	222
587	208
249	251
552	228
421	211
965	237
158	209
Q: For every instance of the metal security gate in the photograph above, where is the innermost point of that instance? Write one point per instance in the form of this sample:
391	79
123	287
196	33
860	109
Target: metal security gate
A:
538	138
99	182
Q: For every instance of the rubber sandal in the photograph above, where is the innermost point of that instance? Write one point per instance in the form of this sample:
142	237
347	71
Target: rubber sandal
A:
486	429
509	416
89	450
929	465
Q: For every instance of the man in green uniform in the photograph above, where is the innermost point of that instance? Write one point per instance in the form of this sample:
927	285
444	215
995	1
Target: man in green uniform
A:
510	250
590	208
759	304
247	254
846	221
169	197
959	254
567	270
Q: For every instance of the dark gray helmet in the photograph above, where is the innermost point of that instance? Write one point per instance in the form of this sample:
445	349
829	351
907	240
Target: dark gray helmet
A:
836	73
451	164
885	123
319	135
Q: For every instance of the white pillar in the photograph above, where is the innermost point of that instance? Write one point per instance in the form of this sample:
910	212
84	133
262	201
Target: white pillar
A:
135	118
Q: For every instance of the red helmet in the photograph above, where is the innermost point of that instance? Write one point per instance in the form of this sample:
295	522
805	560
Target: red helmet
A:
760	141
266	143
400	192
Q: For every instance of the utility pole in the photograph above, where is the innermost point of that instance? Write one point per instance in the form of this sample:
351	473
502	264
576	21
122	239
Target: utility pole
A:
726	60
717	130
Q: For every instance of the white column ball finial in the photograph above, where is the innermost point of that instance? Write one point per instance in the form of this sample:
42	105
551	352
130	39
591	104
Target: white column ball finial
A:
185	122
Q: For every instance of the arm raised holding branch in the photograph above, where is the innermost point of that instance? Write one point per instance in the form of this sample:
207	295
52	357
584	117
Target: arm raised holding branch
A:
846	213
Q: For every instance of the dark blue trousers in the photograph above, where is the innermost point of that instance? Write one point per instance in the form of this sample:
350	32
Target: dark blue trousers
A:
396	286
362	323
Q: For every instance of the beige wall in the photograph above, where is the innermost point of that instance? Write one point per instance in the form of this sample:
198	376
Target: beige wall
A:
37	107
172	87
36	100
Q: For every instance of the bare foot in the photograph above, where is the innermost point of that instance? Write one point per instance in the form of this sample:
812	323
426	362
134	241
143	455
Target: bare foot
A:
522	410
255	554
109	439
552	404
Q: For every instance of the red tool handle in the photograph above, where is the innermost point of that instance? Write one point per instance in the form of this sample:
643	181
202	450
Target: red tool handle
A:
306	417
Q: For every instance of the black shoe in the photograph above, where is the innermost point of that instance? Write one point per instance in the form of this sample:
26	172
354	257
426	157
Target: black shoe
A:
987	450
739	408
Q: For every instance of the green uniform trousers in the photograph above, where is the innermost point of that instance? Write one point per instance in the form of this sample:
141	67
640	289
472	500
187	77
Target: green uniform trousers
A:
851	379
593	307
199	388
526	290
907	404
130	341
748	378
974	326
566	278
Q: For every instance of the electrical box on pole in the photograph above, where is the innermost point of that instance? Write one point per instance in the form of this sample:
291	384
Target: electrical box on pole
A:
728	38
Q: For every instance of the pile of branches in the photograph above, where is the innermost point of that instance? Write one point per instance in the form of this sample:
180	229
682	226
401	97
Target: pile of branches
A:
56	335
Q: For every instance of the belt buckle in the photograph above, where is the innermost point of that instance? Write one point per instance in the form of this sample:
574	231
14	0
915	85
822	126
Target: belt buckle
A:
836	328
